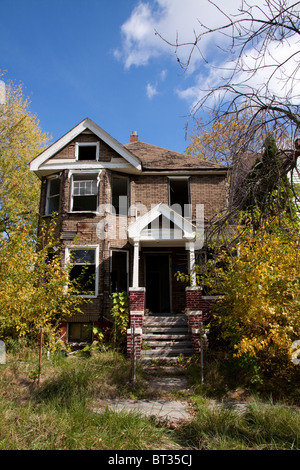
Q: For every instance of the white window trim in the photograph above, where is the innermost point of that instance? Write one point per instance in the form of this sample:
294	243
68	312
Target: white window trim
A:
86	247
87	173
87	144
49	178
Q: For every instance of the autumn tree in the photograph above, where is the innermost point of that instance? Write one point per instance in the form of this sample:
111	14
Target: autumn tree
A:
21	140
35	289
215	139
258	315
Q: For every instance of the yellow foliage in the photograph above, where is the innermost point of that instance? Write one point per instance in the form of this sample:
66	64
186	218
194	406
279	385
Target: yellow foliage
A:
259	312
33	292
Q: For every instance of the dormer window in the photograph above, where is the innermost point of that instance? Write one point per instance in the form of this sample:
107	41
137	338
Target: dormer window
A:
87	151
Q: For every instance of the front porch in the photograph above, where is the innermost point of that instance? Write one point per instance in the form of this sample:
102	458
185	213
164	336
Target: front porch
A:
164	242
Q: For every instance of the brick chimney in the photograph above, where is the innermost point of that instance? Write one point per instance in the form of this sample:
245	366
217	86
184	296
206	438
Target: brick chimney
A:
134	137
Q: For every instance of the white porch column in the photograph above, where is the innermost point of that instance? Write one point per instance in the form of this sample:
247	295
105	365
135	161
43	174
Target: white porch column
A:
192	263
135	281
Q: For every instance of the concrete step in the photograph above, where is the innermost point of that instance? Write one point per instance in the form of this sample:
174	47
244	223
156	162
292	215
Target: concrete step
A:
167	352
159	336
165	320
161	359
165	330
166	337
172	344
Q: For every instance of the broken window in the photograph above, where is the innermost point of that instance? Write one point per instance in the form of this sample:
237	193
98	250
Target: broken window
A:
87	151
52	198
84	193
80	332
179	196
84	269
120	194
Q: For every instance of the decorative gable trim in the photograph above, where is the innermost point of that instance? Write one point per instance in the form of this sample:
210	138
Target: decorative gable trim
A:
184	228
83	126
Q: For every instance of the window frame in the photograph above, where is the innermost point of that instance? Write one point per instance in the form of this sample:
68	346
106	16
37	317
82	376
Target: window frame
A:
86	173
87	144
49	180
68	250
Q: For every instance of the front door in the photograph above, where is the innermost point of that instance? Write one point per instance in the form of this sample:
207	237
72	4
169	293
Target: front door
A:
158	283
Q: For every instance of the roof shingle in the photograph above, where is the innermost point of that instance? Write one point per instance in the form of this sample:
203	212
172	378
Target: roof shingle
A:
158	158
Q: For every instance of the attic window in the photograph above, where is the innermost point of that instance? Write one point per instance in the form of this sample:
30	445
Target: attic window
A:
85	151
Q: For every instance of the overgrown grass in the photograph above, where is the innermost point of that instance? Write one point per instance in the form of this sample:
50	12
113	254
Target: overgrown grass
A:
68	410
260	427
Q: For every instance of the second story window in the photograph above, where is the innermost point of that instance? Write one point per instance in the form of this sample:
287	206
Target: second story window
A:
84	193
52	196
179	195
87	151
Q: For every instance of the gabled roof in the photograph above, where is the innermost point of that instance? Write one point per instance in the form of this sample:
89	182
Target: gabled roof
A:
183	230
86	124
158	158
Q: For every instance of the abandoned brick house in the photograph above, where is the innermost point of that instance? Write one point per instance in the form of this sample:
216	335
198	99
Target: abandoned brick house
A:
131	214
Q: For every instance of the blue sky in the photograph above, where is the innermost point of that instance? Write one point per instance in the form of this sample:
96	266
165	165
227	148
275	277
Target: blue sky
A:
101	59
67	55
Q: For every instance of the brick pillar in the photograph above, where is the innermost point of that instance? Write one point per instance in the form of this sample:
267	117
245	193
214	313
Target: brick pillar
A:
138	342
195	315
137	310
137	299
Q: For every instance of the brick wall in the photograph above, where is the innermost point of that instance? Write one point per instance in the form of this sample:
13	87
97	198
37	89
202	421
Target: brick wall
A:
147	190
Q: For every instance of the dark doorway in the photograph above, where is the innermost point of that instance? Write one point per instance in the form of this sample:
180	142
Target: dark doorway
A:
158	283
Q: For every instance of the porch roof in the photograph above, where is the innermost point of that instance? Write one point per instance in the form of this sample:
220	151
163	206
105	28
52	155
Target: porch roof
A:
173	230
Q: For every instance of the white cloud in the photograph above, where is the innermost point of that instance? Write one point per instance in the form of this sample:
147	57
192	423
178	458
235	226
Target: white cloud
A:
172	19
151	91
163	74
178	19
259	72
